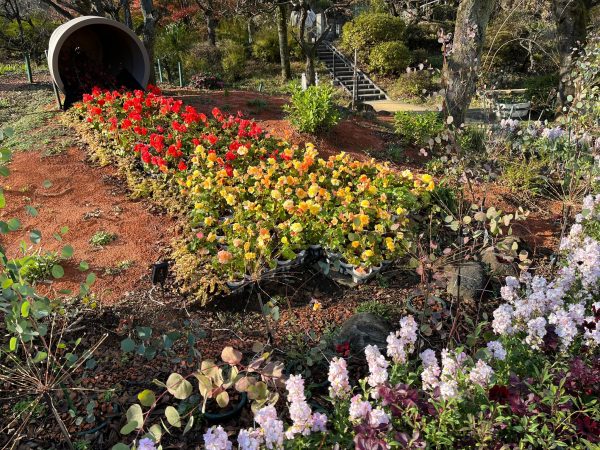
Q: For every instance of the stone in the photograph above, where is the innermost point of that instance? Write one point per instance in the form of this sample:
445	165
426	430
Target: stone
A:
472	280
364	329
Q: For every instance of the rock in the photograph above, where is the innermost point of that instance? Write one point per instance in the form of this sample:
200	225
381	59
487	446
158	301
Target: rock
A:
498	266
472	280
364	329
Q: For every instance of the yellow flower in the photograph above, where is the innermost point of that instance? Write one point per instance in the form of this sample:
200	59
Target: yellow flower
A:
400	210
364	219
315	208
365	203
212	157
389	243
276	194
355	244
288	204
230	199
313	190
367	254
246	246
407	174
242	150
211	237
296	227
209	220
317	305
285	240
249	256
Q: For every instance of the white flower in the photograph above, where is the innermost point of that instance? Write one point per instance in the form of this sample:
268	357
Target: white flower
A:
395	349
359	409
249	439
338	378
497	350
216	438
481	373
502	323
378	417
448	389
536	332
377	366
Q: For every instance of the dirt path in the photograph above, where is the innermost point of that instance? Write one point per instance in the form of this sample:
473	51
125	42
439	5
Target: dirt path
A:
67	191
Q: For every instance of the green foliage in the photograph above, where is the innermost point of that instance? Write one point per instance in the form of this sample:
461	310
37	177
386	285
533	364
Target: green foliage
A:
234	57
389	57
313	110
370	29
102	238
417	84
472	139
383	310
233	29
39	267
541	90
417	128
205	58
524	176
265	45
586	79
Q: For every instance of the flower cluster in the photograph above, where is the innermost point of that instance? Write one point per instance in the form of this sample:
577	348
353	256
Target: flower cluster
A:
254	200
535	306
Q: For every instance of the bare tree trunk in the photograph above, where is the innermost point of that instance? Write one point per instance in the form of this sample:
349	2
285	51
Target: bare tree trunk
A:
211	27
127	13
284	51
311	78
149	34
571	19
462	66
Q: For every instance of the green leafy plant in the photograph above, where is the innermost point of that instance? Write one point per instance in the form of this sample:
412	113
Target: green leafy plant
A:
102	238
312	110
370	29
389	58
234	57
383	310
417	128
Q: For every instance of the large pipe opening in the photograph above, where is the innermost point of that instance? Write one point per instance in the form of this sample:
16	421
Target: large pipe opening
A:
93	51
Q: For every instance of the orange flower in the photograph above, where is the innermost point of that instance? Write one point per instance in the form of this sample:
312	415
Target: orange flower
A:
224	256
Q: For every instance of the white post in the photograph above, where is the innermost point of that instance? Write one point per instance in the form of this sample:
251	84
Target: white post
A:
304	83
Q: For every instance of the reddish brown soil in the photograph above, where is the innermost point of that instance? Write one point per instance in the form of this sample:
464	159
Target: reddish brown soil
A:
78	189
354	135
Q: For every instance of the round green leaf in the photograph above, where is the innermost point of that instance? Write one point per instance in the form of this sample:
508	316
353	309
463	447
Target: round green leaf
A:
14	224
146	397
179	387
127	345
67	251
83	266
172	416
58	271
35	236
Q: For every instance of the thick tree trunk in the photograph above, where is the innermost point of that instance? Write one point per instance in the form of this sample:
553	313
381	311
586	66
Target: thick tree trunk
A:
127	13
284	51
462	66
211	27
149	34
571	19
311	78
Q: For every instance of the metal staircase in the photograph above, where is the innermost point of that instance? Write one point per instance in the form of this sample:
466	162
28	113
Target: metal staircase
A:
342	72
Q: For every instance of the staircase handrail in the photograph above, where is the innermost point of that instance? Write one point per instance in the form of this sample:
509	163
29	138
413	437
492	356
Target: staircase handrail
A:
351	64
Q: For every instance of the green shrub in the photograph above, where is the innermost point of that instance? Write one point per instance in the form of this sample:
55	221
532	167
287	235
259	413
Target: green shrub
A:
312	110
472	140
417	84
417	128
383	310
524	176
370	29
38	267
265	46
234	58
541	90
389	57
233	29
418	56
102	238
205	58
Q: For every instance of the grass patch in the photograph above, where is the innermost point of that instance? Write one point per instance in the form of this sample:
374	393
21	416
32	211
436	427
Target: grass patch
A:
102	238
382	310
119	268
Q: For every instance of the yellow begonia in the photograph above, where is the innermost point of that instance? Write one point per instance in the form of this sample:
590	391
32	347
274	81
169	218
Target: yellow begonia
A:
367	254
313	190
296	227
365	203
389	243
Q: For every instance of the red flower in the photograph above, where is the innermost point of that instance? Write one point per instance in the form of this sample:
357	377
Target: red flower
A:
343	349
182	166
229	170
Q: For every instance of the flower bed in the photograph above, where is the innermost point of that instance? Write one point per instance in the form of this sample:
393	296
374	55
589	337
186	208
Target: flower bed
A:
533	384
253	201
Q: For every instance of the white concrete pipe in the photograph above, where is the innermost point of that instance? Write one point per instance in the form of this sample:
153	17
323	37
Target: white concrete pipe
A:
96	42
